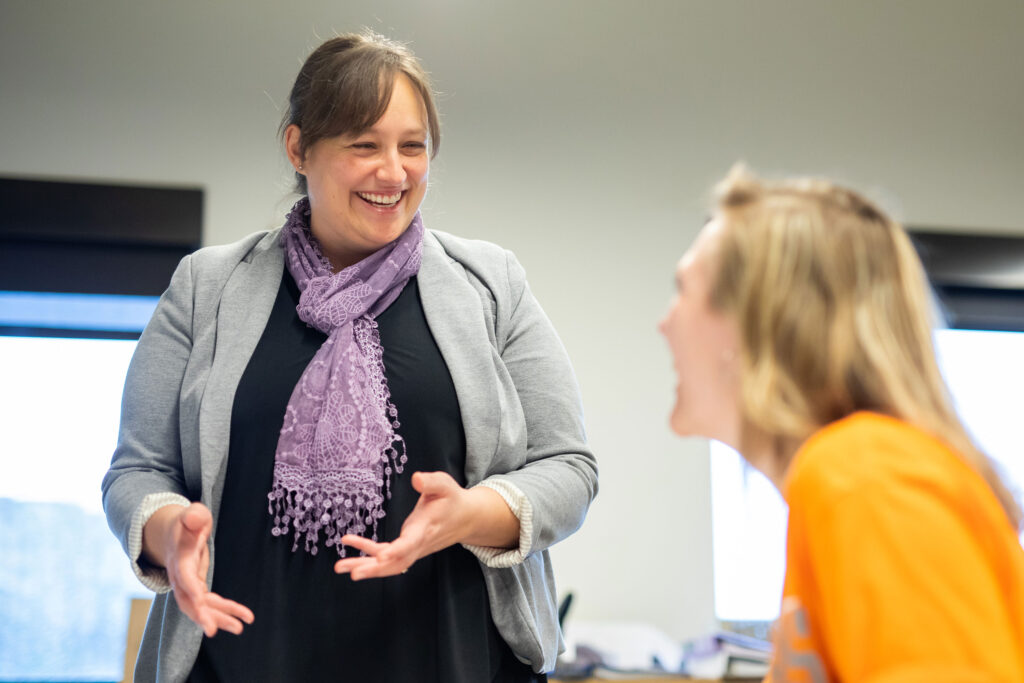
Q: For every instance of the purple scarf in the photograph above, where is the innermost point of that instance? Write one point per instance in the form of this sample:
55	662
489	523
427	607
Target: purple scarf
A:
338	446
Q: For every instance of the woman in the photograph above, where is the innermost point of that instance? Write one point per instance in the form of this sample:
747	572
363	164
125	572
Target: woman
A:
801	336
350	382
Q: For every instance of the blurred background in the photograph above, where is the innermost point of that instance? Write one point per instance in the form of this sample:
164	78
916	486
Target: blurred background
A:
584	135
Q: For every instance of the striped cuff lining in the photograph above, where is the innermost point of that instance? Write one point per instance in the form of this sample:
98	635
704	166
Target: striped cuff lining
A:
500	558
153	578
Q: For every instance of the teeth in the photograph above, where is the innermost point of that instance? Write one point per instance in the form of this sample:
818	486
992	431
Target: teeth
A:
382	199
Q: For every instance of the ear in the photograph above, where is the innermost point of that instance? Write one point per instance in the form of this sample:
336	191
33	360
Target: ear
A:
292	146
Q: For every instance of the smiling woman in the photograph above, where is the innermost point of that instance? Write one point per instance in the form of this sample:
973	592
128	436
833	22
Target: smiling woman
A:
364	168
357	384
364	188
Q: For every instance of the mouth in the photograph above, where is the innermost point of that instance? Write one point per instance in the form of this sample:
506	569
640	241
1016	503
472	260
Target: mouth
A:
381	201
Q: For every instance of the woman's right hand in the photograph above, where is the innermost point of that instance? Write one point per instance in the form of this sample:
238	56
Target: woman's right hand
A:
175	538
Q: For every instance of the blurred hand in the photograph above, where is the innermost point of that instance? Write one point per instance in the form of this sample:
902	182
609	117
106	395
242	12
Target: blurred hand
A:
176	538
444	515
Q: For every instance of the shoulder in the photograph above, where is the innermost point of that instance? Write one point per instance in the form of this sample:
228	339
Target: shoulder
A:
477	253
866	452
201	277
496	267
224	257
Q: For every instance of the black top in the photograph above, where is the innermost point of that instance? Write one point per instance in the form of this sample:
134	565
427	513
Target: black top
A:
430	624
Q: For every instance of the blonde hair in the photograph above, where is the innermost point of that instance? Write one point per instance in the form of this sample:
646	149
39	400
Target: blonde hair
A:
835	316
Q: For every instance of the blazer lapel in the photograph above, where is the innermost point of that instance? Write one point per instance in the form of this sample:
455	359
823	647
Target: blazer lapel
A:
244	309
453	310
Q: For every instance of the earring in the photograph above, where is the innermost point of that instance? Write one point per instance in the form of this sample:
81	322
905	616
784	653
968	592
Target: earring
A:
300	167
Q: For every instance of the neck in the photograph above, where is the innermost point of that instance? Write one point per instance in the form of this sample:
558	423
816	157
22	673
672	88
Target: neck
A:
769	456
764	462
341	261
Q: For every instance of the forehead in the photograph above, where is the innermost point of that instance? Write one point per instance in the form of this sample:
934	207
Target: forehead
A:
698	256
406	100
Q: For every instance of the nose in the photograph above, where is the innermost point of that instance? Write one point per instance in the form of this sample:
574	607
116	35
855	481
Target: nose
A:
663	324
391	171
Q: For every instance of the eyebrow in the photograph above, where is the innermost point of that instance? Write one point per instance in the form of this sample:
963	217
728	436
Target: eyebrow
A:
418	130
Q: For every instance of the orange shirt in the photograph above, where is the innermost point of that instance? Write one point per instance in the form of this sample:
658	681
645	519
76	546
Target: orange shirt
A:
901	564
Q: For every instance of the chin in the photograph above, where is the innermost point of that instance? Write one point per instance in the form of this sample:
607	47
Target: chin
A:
679	424
688	425
394	229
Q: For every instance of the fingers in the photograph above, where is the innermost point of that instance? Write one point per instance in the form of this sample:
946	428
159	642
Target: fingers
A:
204	563
366	545
224	622
432	483
187	574
230	608
188	555
192	607
356	567
220	614
227	615
213	613
197	519
382	559
189	593
359	568
423	532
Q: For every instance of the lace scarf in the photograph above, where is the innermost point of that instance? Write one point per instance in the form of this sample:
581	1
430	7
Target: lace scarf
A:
338	447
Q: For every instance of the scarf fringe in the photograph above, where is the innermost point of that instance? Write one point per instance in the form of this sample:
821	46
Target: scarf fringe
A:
338	503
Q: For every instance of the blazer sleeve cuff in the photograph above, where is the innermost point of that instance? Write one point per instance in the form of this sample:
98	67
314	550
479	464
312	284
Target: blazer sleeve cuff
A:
153	578
519	504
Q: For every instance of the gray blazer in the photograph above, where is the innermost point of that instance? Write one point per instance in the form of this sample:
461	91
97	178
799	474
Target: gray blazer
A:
517	394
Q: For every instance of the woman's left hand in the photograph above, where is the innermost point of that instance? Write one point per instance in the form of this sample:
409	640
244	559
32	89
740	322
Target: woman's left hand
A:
444	515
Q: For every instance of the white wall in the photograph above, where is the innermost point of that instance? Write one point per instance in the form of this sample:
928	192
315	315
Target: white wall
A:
582	134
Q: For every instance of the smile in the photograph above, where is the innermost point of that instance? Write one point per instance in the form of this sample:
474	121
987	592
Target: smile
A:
382	200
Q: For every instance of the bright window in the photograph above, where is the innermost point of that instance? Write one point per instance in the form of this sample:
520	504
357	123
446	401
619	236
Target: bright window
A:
985	374
65	583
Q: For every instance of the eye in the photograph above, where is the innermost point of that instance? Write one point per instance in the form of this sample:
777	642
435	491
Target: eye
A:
414	147
363	145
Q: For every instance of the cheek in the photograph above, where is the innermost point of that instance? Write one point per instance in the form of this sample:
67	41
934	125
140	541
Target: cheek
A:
691	369
344	175
679	334
695	349
417	169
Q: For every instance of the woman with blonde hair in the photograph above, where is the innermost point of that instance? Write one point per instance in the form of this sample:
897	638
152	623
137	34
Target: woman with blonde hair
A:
801	333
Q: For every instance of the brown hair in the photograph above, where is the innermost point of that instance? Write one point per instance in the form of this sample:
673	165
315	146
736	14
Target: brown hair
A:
835	316
345	85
